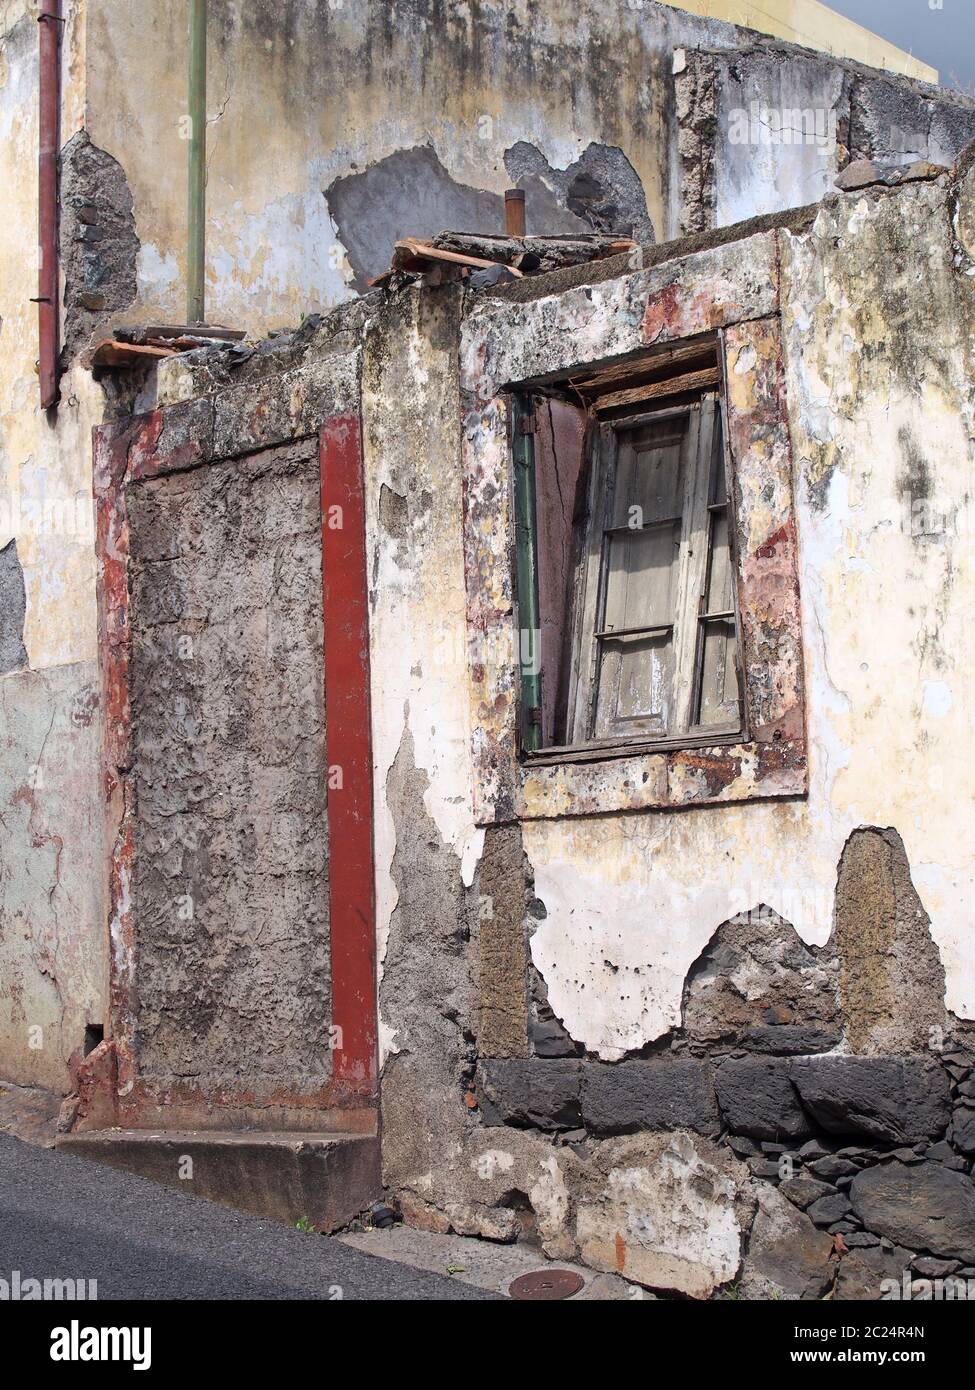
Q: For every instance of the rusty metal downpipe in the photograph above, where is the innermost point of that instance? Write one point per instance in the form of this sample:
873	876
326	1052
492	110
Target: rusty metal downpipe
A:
49	124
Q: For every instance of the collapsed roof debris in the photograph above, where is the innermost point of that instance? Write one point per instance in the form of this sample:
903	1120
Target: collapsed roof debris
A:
488	258
127	347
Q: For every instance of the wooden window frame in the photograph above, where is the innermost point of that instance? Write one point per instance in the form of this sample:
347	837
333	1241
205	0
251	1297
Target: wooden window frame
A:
625	332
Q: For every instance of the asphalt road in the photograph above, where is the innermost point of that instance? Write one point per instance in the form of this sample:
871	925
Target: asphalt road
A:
63	1217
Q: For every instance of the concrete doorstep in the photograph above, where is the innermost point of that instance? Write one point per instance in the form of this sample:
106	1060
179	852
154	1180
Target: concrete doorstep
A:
320	1180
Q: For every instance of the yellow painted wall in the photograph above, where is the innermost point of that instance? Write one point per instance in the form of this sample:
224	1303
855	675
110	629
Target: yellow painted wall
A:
813	25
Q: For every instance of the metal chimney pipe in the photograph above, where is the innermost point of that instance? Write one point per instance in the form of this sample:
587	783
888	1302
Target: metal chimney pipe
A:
514	211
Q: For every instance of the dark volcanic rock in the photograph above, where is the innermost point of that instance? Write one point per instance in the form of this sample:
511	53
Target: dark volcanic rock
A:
860	1240
962	1133
944	1153
757	985
863	1273
530	1094
930	1268
665	1093
925	1206
789	1040
757	1098
893	1099
804	1191
787	1257
825	1210
764	1168
833	1167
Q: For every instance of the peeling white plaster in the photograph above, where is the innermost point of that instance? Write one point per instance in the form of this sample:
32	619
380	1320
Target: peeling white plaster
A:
418	644
618	940
289	253
936	699
549	1196
670	1222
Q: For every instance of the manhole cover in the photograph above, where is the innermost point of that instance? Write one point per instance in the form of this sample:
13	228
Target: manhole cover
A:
546	1284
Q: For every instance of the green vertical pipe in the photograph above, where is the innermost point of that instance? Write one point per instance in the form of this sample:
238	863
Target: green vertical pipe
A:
526	553
196	193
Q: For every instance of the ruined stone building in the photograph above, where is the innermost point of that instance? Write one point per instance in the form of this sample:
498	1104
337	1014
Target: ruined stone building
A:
492	732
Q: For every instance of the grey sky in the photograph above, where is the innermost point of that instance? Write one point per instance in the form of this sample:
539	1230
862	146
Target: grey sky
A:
939	32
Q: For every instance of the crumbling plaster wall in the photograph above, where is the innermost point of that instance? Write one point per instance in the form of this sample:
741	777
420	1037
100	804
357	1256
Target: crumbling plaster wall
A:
631	901
617	909
306	93
770	126
52	976
883	437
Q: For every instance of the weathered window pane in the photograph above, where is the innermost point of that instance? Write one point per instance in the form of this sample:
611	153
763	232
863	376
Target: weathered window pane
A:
649	473
636	678
657	633
635	671
640	582
719	681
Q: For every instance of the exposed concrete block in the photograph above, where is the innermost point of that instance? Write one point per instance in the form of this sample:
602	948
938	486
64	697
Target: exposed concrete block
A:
502	949
324	1179
665	1093
892	1099
892	981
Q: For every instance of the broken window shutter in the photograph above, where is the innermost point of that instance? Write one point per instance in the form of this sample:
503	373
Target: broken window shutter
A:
718	695
636	639
526	555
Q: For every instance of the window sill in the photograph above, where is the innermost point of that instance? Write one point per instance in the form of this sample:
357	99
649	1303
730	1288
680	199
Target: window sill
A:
625	780
601	750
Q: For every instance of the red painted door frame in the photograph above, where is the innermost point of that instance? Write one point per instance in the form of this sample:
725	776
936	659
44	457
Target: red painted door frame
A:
173	439
348	749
